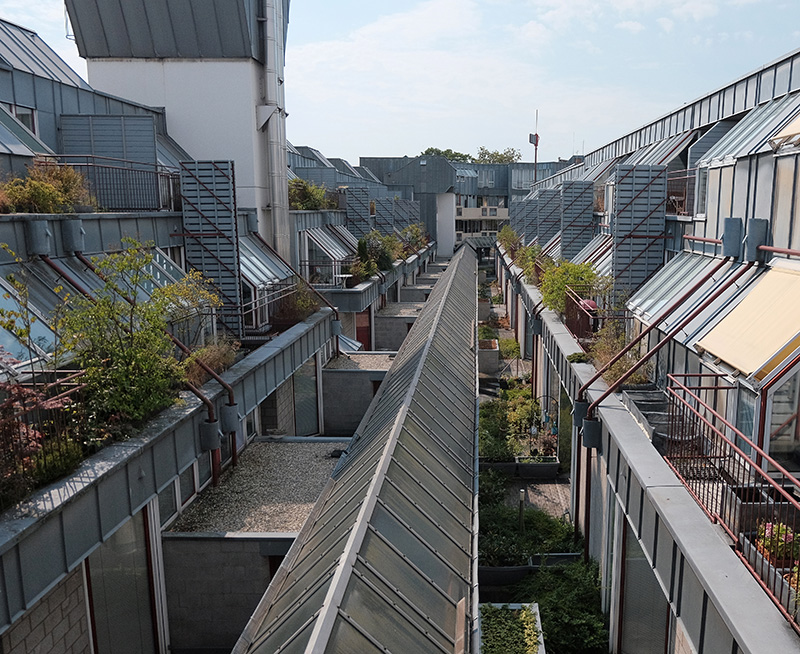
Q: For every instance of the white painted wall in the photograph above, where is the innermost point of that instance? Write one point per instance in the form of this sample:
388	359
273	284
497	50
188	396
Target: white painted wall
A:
445	224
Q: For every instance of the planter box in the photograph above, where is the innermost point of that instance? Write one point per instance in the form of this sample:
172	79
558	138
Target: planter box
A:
743	507
533	607
488	357
527	469
773	577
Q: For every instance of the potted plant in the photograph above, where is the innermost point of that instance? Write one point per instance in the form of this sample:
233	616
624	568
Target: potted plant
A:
777	543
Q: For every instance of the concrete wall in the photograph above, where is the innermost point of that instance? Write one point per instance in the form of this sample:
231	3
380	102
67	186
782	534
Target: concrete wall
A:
214	582
391	331
416	293
346	395
57	623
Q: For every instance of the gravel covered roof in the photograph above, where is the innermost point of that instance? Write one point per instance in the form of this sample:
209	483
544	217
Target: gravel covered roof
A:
273	488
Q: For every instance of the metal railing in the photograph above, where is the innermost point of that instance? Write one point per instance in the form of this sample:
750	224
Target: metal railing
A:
586	312
328	273
681	192
43	434
122	185
726	473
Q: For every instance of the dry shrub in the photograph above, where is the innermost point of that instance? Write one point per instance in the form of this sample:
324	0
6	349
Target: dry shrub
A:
611	340
218	356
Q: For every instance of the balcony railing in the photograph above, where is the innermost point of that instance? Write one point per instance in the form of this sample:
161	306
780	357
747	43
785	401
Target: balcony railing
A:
328	273
586	312
42	434
681	192
728	476
122	185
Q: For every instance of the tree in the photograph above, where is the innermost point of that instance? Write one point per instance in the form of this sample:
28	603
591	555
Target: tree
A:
509	155
305	196
450	155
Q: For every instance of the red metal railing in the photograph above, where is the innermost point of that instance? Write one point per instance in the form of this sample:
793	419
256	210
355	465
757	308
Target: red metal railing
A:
586	311
718	465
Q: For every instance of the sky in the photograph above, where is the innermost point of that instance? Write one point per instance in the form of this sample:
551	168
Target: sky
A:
381	78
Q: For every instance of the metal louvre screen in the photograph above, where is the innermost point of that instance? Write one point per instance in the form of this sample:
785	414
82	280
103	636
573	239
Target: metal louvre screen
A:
210	231
384	215
406	212
358	213
638	220
548	216
577	199
529	219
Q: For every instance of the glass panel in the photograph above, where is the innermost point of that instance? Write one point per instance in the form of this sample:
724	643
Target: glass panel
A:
383	621
782	203
712	215
795	236
784	433
745	412
426	491
305	399
167	506
186	483
292	622
346	639
121	591
204	468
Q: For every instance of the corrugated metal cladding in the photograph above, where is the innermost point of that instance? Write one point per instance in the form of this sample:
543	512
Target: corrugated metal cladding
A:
384	562
167	28
548	215
638	221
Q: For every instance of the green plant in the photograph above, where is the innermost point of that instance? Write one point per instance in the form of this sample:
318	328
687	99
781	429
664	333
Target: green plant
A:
70	184
556	278
56	458
491	487
497	299
383	251
509	348
609	341
48	188
218	356
508	631
509	240
120	338
32	196
579	357
414	237
486	333
296	306
778	540
570	607
306	196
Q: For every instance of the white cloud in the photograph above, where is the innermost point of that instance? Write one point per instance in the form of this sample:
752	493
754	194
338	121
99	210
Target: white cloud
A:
632	26
666	24
696	10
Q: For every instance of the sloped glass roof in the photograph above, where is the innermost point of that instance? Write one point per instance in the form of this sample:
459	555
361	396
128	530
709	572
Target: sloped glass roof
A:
328	243
260	267
662	152
752	134
385	561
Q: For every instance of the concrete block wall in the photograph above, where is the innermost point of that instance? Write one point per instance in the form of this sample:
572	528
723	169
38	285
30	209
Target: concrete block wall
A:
213	583
346	395
57	623
391	331
277	411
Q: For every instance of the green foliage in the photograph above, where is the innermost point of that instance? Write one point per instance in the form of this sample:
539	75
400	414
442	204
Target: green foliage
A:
361	271
500	541
121	339
508	238
497	299
556	278
509	155
485	332
579	357
450	155
492	431
526	259
415	237
570	607
382	250
296	306
509	348
609	341
491	487
508	631
56	458
48	188
306	196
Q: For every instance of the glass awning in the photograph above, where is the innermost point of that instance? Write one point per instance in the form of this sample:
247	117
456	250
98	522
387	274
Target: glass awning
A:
328	243
341	232
752	134
260	266
661	152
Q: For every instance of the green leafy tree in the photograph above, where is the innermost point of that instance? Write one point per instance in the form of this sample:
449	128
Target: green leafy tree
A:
306	196
557	277
509	155
450	155
120	338
509	239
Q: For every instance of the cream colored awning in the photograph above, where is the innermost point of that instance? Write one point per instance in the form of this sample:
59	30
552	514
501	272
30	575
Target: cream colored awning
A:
789	135
764	329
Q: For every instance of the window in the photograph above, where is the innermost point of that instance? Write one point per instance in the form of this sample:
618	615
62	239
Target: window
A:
26	117
702	190
186	484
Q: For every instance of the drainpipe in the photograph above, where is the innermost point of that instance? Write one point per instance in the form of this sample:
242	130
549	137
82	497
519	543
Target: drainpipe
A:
311	288
209	405
613	387
273	122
